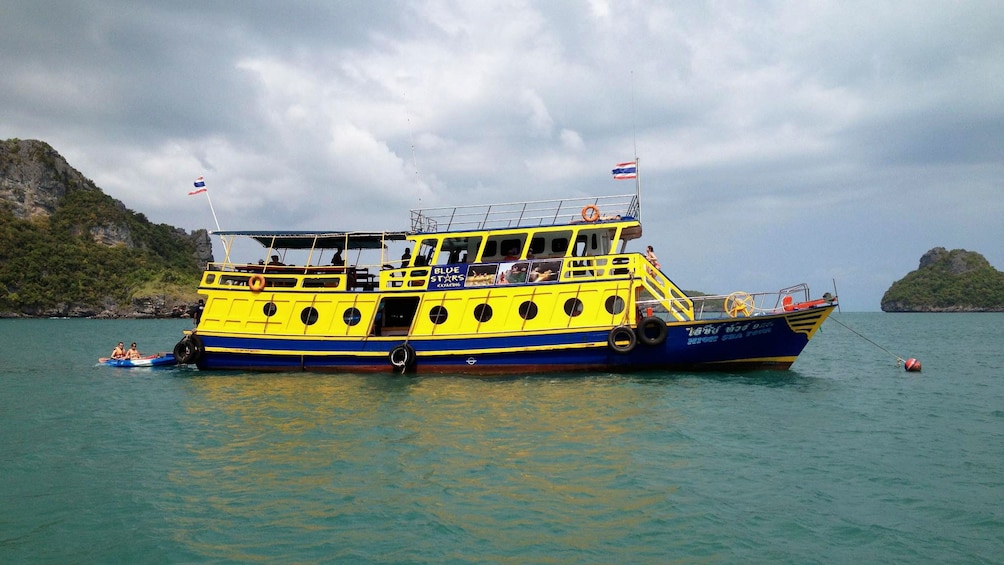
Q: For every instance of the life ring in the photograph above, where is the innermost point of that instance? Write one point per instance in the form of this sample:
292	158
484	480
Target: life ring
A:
591	213
622	339
739	303
256	283
189	350
402	358
652	330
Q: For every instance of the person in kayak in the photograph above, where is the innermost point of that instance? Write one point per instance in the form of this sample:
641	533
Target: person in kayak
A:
119	352
133	353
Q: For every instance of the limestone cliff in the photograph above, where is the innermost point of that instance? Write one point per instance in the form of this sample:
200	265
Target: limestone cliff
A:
948	281
68	249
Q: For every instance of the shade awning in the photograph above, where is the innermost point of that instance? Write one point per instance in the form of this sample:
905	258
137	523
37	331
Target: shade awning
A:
317	239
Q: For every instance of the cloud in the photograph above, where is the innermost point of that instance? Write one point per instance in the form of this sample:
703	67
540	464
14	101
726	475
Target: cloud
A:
779	142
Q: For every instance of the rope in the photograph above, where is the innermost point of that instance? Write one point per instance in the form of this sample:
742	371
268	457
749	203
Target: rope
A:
899	360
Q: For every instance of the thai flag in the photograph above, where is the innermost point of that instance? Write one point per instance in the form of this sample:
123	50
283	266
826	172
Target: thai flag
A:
200	184
625	171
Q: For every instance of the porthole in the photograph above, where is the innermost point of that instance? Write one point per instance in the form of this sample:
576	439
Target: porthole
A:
309	316
437	315
573	307
352	316
482	312
269	309
614	304
528	310
210	278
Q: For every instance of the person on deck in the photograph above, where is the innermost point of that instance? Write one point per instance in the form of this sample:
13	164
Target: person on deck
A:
196	311
275	261
650	255
119	352
406	257
337	260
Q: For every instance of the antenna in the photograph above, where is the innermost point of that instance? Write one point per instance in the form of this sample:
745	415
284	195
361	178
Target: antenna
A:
634	140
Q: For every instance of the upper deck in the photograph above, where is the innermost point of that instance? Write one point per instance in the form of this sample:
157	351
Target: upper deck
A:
523	214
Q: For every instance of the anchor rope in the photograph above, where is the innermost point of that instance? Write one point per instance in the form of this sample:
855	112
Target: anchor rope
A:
899	359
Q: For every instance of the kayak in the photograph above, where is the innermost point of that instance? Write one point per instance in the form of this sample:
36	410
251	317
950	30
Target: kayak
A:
159	360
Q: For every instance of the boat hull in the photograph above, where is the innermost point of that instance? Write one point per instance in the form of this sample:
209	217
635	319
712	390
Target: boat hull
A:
165	360
754	343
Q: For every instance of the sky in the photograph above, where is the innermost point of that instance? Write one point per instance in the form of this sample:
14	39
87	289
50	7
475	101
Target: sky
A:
830	143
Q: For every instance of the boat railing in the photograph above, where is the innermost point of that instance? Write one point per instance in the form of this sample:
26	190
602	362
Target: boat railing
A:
714	306
524	214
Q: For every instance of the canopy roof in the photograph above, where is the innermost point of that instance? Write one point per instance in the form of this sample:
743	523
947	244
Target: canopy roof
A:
317	239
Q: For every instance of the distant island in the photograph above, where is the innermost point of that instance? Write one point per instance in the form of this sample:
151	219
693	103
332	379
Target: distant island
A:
67	249
948	281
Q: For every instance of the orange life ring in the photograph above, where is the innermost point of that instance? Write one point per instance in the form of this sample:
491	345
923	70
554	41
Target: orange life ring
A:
591	213
256	283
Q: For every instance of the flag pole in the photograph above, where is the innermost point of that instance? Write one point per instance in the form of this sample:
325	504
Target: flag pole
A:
200	185
226	251
637	182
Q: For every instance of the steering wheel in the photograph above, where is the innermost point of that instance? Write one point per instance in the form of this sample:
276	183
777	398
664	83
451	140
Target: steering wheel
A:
739	303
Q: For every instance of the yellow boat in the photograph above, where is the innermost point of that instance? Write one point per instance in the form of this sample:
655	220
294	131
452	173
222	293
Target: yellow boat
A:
514	288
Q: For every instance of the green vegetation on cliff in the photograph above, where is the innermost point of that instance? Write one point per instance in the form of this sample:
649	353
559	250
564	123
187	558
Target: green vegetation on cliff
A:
948	281
84	253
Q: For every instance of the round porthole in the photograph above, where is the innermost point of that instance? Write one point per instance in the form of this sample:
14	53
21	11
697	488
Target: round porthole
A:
437	315
614	304
573	307
528	310
352	316
482	312
309	316
269	309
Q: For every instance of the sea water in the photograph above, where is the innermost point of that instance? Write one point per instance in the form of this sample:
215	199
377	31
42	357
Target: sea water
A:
844	458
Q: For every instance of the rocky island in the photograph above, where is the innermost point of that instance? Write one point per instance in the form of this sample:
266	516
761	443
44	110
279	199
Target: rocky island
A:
69	250
948	281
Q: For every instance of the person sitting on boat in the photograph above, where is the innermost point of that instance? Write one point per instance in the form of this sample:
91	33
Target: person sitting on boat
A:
275	261
406	257
133	353
119	352
512	255
337	259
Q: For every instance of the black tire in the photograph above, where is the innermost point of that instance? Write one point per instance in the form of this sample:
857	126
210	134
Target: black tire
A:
189	350
622	339
652	330
402	358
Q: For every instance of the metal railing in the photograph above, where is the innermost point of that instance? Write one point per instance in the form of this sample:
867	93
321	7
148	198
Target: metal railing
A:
522	214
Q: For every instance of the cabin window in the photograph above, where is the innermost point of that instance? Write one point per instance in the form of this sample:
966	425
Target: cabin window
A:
269	309
458	250
573	307
500	246
614	304
352	316
559	246
438	315
537	246
426	253
210	278
309	316
482	312
528	310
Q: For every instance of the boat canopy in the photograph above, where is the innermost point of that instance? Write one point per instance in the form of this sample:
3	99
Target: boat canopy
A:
317	239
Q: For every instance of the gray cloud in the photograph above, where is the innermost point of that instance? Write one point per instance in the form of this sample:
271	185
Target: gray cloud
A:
781	142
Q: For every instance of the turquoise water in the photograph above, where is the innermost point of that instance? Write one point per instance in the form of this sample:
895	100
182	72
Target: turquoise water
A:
844	458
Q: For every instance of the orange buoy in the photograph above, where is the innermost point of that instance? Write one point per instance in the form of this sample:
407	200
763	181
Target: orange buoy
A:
912	365
591	213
